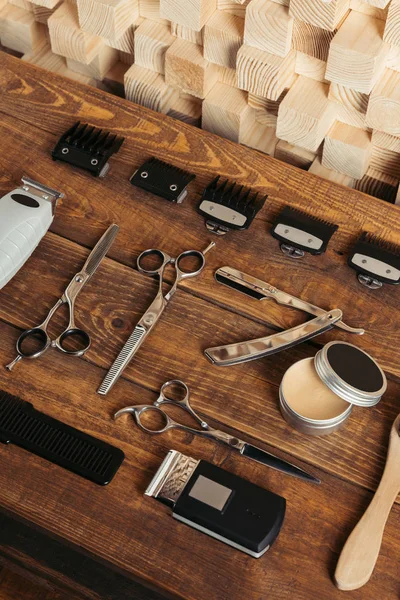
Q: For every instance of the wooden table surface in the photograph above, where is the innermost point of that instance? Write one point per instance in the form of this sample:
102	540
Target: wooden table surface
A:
108	542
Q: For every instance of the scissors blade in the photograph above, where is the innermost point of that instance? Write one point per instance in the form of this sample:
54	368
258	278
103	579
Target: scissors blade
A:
265	458
100	250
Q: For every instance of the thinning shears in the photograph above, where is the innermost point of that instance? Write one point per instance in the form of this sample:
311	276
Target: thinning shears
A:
170	393
72	340
157	307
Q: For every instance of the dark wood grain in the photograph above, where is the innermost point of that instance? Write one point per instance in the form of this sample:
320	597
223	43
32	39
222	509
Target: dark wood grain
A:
115	526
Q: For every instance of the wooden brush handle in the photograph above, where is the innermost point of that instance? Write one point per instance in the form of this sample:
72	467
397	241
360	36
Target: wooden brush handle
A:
360	553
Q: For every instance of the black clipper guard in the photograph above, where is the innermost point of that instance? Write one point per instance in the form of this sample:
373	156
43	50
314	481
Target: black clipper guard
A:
228	205
87	147
375	261
163	179
22	425
300	233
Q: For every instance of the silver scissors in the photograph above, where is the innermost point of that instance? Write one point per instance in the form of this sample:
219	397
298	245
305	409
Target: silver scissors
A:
39	335
179	388
157	307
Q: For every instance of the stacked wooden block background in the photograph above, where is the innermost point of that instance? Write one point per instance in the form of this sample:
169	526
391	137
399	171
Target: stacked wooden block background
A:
315	83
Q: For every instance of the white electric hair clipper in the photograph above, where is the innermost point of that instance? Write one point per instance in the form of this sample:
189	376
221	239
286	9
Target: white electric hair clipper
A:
26	213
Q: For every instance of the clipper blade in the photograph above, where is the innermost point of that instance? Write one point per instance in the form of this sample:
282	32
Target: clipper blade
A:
376	261
299	232
87	147
162	179
228	205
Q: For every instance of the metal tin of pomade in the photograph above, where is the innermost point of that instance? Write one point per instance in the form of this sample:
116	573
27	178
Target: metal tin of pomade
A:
348	372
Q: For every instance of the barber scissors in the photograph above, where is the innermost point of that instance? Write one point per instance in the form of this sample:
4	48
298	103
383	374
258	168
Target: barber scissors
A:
39	335
157	307
179	388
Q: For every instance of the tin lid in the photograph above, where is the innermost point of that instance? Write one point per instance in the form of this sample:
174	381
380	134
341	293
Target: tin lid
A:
351	373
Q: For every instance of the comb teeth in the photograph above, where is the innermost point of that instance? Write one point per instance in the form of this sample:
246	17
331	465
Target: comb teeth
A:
87	147
233	195
312	217
167	168
372	238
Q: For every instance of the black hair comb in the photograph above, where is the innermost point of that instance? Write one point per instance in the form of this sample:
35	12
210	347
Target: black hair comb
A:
162	179
21	424
87	147
298	233
376	261
228	205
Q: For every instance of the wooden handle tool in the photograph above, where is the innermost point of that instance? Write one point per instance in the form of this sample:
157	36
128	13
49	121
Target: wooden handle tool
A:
360	553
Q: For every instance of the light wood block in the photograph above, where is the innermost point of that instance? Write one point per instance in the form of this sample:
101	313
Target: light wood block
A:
225	110
233	8
367	9
317	168
187	109
260	137
385	140
25	4
113	81
152	40
350	116
125	43
263	73
19	31
384	104
378	3
187	70
47	3
100	65
392	29
309	66
379	185
150	9
42	14
357	53
306	114
294	155
149	89
347	150
190	35
125	58
68	39
262	103
227	76
46	59
393	58
194	14
107	18
265	117
320	13
311	40
386	161
223	36
268	27
349	97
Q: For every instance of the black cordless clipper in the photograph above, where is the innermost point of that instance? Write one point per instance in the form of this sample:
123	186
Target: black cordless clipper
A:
299	233
375	261
228	205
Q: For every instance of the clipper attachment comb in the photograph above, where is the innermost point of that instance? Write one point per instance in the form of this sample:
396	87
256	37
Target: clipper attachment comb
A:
376	261
163	179
228	205
87	147
300	233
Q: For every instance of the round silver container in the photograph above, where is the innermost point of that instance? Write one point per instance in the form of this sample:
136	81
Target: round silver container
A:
345	380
